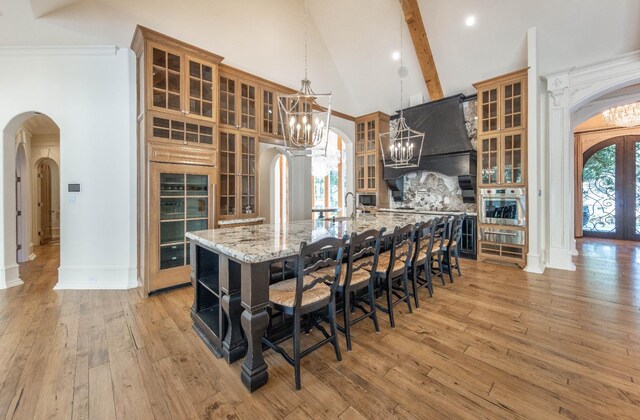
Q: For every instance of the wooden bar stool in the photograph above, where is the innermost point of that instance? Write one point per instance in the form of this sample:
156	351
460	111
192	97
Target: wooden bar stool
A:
356	275
440	227
421	260
452	245
307	294
391	274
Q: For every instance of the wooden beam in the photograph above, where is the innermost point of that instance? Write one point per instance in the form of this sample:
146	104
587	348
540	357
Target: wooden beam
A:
423	50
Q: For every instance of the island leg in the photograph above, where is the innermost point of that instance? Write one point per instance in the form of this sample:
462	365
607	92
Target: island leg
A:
255	319
233	345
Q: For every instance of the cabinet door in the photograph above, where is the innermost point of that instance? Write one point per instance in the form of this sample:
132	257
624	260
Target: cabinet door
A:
360	173
371	171
488	110
227	101
268	124
360	137
166	80
513	158
248	106
182	197
248	181
228	174
489	174
512	97
200	89
371	135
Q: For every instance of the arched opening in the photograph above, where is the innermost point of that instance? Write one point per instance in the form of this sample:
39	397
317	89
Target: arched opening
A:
32	147
281	187
329	177
574	97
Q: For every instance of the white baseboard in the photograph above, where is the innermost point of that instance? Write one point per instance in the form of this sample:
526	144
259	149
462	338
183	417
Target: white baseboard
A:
96	278
561	259
534	264
10	277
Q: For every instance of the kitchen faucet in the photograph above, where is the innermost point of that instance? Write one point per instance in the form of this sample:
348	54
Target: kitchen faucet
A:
353	213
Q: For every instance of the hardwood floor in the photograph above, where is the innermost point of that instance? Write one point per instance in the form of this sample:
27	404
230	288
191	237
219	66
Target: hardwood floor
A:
498	343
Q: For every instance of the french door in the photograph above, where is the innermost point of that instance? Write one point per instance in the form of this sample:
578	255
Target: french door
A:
611	189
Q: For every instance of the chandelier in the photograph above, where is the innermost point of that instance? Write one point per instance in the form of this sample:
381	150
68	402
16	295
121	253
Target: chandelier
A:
304	115
399	146
623	116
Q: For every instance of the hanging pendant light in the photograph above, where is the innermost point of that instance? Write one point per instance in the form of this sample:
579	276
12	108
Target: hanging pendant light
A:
401	147
305	115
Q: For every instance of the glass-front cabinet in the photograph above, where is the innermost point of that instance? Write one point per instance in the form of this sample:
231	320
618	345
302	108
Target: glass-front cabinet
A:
368	165
270	114
238	103
502	104
502	130
502	159
182	197
181	84
238	175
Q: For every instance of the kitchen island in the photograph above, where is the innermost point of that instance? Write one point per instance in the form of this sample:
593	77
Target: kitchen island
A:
231	275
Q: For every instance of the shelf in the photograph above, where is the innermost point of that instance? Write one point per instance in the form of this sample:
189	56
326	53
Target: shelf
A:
211	284
210	317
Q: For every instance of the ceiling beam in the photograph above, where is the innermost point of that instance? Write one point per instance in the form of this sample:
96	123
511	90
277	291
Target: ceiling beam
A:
423	50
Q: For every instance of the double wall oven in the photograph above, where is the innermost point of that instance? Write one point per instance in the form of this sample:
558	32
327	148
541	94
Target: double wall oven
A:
503	208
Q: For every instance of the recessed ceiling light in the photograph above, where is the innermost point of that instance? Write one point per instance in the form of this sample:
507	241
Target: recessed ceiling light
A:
396	55
470	20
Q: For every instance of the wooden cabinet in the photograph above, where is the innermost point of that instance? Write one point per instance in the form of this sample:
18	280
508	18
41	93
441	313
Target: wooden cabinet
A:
177	153
368	164
502	103
180	83
502	159
238	102
502	154
182	197
502	130
238	196
269	115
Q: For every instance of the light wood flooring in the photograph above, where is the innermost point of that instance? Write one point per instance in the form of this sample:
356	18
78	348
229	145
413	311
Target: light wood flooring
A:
498	343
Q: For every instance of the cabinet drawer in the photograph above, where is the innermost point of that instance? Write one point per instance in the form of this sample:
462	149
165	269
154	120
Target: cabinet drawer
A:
171	256
191	155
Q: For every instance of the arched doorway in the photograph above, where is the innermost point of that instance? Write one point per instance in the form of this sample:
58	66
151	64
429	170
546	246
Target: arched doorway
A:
281	188
611	189
28	138
329	175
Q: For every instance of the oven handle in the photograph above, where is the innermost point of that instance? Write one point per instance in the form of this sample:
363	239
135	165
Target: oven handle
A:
500	233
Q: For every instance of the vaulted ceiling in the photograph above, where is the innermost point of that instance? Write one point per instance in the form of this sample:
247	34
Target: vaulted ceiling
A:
351	41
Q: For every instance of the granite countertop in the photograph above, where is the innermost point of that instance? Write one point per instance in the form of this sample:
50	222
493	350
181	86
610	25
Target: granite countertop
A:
418	211
236	221
259	243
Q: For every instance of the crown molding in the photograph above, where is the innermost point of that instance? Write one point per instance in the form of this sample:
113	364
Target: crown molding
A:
107	50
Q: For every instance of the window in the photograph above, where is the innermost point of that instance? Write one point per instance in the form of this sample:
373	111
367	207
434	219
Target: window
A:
329	180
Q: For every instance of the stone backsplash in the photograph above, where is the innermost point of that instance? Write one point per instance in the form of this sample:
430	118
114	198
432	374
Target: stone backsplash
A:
433	191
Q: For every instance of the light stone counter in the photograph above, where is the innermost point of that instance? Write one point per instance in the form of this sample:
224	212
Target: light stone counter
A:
259	243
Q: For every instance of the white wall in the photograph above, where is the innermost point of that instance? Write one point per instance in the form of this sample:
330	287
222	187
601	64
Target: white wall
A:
88	92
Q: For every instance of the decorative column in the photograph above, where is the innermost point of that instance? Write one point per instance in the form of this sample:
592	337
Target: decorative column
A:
560	175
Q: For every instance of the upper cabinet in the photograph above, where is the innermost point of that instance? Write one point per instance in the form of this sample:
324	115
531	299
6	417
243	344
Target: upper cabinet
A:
238	102
270	116
502	103
502	127
181	84
369	174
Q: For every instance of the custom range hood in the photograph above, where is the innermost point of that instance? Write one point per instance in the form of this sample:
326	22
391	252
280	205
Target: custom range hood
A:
447	147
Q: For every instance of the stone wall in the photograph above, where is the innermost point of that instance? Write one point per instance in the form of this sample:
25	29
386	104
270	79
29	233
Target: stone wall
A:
433	191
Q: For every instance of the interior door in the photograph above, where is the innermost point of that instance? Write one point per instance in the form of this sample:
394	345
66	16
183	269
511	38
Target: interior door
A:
44	175
611	189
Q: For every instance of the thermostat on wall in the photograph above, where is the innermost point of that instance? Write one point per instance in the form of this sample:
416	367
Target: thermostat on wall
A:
74	188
